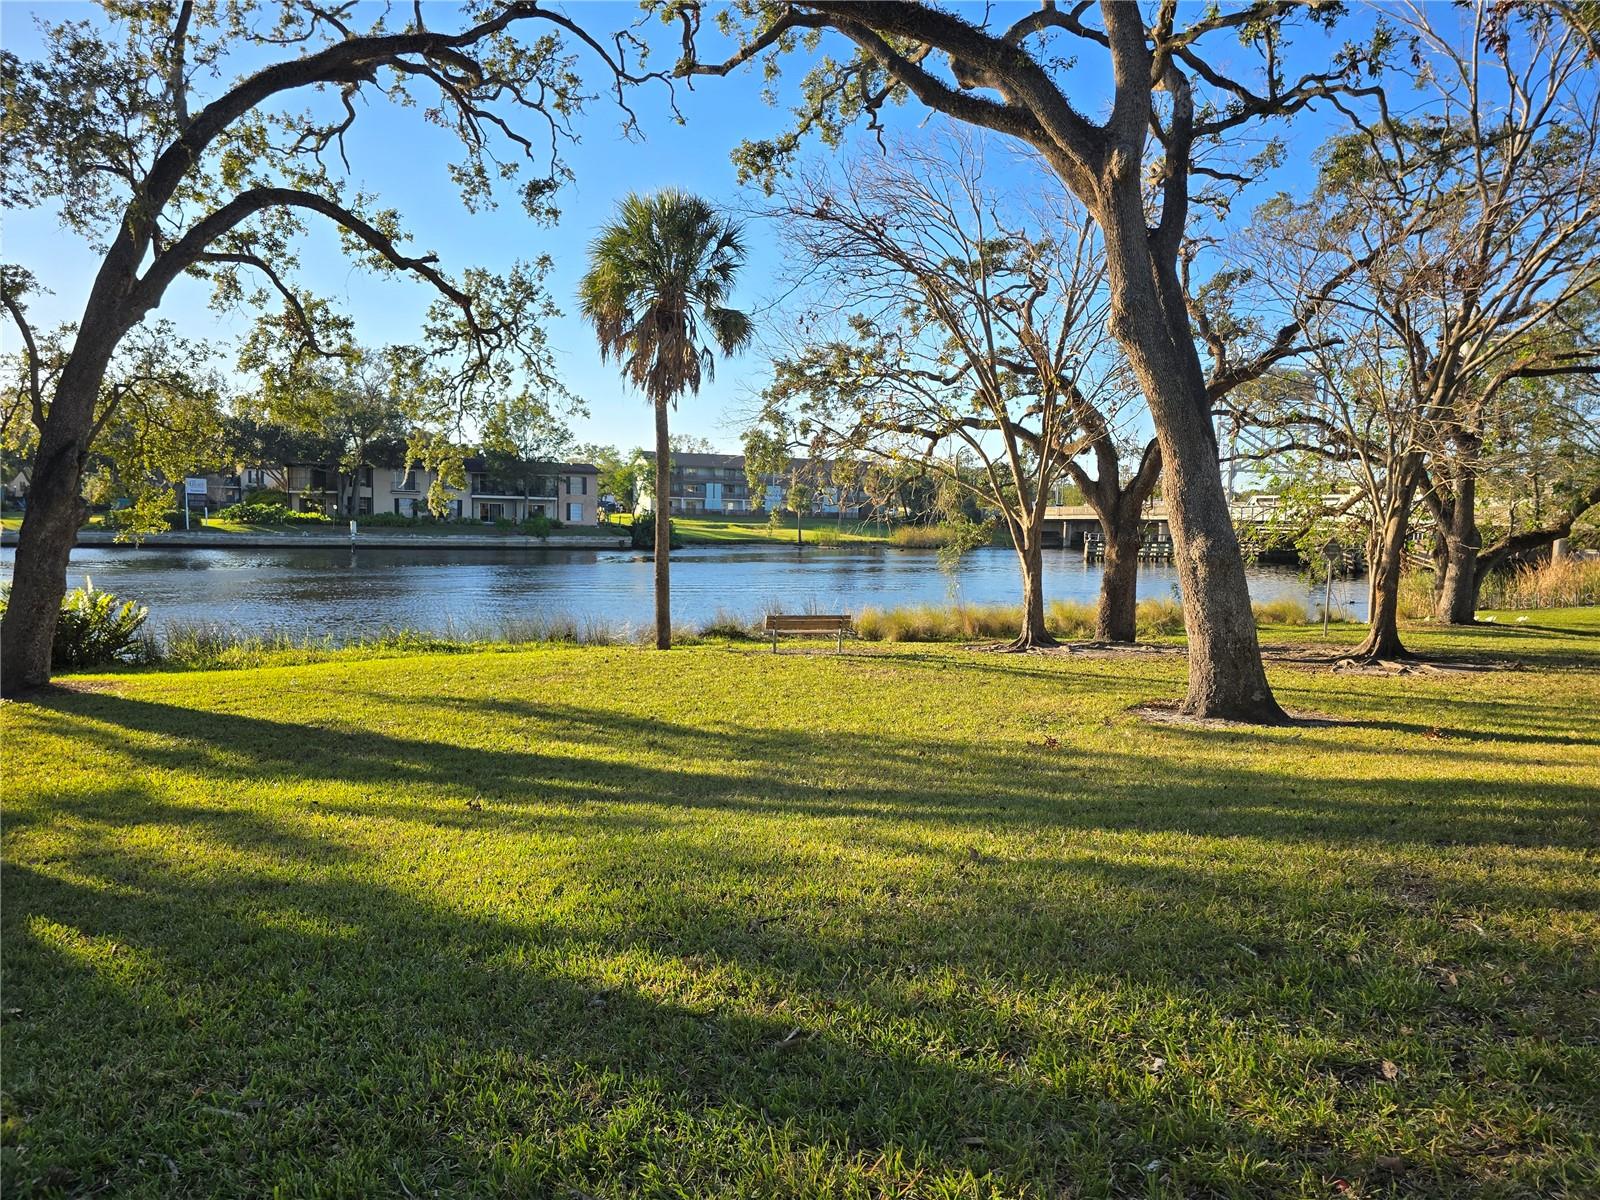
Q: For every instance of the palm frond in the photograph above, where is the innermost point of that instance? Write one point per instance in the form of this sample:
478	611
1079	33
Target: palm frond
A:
655	292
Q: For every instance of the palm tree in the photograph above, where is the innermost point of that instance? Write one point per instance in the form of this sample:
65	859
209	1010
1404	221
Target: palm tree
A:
659	276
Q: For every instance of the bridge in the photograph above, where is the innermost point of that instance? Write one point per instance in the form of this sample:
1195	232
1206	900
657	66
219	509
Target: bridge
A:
1075	525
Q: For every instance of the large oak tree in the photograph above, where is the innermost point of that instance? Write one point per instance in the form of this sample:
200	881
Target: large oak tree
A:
1136	167
202	139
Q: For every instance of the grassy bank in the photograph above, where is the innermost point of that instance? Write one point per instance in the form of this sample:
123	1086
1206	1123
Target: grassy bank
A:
1068	621
897	922
708	531
816	531
219	645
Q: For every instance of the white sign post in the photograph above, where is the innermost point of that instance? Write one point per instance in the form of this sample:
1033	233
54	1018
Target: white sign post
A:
193	485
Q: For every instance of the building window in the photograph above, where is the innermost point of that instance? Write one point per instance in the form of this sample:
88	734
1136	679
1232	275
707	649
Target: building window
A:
574	514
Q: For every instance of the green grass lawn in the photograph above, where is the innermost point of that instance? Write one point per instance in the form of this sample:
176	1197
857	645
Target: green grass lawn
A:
707	530
906	921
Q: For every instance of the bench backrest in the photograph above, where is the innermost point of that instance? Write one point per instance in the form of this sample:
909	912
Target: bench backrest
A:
808	623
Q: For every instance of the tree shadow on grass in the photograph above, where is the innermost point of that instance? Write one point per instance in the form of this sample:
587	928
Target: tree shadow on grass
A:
242	1001
788	771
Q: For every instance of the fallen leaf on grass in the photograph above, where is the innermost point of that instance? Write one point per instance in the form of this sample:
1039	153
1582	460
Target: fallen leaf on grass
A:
1388	1070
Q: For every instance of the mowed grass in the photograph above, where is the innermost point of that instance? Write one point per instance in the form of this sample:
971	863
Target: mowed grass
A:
909	921
815	530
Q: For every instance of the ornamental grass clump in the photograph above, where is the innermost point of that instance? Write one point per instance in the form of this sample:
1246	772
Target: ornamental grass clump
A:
1563	583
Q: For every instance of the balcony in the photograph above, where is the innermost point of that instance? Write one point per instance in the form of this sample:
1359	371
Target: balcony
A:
539	487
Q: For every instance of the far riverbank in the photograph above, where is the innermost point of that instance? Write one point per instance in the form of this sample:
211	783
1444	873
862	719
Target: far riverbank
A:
271	539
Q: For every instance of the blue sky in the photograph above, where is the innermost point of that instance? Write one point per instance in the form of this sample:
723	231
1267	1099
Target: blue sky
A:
394	153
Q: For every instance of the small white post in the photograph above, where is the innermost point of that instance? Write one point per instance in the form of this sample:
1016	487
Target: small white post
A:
352	532
1330	552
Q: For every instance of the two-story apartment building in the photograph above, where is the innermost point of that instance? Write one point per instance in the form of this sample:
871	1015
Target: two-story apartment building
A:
716	483
564	492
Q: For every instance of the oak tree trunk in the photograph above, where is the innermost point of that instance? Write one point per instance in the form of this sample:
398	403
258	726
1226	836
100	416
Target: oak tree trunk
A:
1383	587
1149	319
56	511
663	532
39	581
1117	615
1033	634
1458	591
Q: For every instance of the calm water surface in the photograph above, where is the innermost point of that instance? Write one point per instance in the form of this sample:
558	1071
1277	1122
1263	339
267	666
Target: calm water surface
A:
344	593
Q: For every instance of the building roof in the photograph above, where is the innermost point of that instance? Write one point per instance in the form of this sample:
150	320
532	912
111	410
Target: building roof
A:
473	462
734	462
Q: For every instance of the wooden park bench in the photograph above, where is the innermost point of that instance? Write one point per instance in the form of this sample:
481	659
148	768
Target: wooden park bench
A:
813	623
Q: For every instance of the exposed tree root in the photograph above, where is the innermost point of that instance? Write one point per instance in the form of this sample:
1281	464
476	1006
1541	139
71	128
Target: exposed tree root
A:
1170	712
1026	645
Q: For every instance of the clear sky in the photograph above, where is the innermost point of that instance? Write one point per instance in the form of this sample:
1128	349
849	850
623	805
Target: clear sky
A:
394	153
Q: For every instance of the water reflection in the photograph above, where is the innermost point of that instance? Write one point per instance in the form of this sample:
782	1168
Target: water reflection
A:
344	592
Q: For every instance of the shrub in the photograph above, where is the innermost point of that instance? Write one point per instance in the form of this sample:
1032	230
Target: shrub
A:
95	629
388	520
642	534
124	518
538	525
250	512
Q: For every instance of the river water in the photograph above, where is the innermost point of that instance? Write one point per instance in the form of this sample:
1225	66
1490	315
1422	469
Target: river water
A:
346	593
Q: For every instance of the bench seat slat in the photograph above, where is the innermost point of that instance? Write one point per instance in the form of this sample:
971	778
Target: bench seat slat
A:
822	622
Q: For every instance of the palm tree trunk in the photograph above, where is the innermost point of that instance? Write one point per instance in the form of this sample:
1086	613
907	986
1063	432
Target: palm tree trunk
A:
663	531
